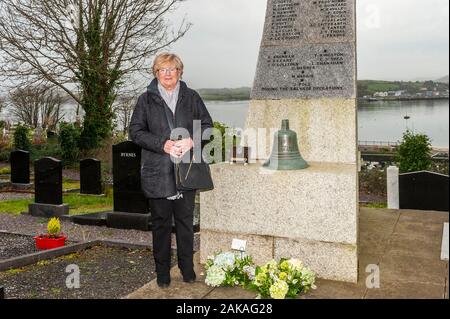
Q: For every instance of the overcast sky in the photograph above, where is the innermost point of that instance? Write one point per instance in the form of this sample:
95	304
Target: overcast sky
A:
397	40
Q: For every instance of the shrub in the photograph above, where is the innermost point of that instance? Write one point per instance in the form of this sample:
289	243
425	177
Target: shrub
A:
45	150
414	153
22	139
69	136
54	227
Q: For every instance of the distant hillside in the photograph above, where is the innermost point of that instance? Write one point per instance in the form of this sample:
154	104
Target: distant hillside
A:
242	93
443	79
365	88
369	87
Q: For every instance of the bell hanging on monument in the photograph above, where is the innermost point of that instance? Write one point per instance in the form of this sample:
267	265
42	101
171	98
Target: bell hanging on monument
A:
285	154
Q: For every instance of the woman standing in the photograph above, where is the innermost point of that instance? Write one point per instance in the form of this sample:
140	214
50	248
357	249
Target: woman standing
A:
168	99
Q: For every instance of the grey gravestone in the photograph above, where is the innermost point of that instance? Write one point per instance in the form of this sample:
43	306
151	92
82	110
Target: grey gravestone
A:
48	188
131	207
90	176
20	167
307	55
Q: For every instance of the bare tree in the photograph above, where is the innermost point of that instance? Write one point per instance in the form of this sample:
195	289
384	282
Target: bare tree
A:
36	107
123	110
88	48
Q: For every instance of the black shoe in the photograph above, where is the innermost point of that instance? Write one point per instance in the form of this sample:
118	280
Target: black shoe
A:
190	278
163	282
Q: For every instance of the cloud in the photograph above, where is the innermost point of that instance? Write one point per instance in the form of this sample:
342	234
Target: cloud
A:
397	39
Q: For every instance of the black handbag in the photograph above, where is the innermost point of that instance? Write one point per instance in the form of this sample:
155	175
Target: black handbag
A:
192	175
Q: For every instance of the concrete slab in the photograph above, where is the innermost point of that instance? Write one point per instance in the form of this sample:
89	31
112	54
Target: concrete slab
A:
177	289
230	293
373	242
327	289
419	228
406	290
429	217
408	259
395	268
444	246
416	245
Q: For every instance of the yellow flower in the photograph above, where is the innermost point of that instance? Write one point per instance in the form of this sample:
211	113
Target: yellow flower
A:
279	290
283	276
54	226
284	265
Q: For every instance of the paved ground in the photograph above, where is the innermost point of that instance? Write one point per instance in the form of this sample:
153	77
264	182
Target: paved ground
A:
404	244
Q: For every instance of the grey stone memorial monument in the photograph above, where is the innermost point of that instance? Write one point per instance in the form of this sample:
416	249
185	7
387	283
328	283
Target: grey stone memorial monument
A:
306	73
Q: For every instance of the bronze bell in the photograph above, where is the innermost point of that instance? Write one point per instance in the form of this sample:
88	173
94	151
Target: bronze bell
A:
285	154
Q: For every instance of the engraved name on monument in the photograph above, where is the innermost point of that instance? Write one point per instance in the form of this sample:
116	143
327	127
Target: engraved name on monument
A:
309	21
308	50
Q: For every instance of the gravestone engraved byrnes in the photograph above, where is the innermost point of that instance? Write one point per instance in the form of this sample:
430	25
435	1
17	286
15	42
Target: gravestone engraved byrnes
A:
20	167
131	207
90	176
306	73
128	195
48	189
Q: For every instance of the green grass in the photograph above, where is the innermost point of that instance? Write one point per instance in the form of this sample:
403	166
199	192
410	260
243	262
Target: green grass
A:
70	184
5	170
78	204
374	205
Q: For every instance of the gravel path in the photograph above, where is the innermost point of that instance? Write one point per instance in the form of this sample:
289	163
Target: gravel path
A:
15	245
9	196
104	273
29	225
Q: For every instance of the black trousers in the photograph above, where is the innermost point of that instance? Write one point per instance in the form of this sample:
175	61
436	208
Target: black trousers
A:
182	210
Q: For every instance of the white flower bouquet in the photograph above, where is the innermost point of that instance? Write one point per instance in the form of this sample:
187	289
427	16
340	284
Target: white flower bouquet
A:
278	280
229	270
284	279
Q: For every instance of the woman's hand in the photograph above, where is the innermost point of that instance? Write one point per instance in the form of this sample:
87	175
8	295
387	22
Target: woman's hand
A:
169	148
184	145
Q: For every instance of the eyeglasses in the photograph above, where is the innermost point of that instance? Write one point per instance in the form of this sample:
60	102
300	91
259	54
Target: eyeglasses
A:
167	70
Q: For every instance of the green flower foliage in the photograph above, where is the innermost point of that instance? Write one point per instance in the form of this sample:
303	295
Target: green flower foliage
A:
414	153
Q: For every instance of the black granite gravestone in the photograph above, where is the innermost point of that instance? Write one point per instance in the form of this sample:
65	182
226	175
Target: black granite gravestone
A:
128	196
20	167
90	176
48	181
48	188
424	191
131	207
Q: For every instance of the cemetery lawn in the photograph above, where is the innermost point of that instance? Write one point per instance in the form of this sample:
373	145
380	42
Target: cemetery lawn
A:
5	170
70	184
78	204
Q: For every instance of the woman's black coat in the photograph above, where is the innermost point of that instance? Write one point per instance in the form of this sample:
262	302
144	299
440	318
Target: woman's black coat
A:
149	129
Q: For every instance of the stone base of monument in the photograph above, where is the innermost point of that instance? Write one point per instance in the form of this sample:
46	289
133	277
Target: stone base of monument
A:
22	186
310	214
124	220
47	210
91	219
